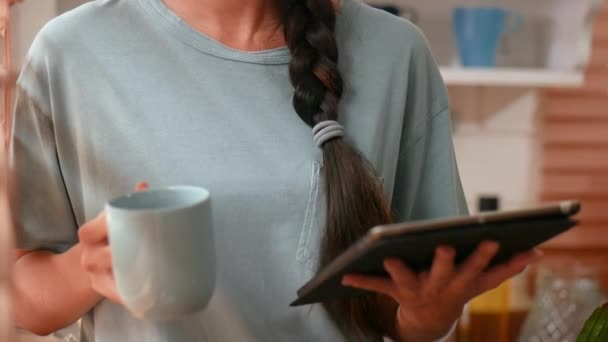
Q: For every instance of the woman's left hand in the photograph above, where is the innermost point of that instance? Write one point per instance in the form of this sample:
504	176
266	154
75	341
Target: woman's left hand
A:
430	302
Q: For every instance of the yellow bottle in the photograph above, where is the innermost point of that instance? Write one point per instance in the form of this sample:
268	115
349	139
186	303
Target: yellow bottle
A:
489	315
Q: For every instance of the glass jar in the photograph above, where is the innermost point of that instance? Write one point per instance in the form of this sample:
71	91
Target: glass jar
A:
566	295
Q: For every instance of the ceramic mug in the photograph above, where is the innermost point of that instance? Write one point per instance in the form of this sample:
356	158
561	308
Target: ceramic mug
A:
478	32
163	251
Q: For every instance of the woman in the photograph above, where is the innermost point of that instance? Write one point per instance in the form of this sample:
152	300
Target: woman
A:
202	92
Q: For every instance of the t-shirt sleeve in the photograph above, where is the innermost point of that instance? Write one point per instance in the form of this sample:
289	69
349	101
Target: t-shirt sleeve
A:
427	183
44	215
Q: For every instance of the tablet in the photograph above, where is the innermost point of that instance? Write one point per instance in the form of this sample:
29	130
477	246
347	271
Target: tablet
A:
415	244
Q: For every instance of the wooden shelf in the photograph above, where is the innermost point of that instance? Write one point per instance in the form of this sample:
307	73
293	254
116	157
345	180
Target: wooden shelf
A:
551	49
512	77
537	7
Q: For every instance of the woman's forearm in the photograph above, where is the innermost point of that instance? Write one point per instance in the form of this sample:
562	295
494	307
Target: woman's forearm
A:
51	291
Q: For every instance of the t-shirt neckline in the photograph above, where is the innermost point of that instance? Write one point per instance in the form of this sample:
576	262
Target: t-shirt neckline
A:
199	41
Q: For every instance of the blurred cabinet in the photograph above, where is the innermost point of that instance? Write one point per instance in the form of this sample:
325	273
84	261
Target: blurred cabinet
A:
574	144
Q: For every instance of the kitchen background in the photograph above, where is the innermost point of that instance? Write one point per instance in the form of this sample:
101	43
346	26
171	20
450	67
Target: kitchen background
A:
533	128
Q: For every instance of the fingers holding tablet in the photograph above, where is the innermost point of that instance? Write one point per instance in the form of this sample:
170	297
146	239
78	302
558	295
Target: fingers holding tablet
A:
498	274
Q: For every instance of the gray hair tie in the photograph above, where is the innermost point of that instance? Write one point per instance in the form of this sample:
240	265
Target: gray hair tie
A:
327	130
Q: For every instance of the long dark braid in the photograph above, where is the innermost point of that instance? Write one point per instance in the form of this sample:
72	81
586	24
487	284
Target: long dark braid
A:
355	200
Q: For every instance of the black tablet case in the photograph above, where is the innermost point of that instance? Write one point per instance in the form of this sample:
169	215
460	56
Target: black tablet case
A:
417	249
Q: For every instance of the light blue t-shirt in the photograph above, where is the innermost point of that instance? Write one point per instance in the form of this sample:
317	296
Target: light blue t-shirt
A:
119	91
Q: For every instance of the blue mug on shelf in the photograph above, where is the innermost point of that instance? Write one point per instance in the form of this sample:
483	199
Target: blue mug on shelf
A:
478	32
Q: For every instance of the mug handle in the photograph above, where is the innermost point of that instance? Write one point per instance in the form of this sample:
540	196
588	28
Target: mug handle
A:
514	22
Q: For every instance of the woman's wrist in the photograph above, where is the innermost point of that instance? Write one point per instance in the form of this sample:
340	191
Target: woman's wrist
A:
412	329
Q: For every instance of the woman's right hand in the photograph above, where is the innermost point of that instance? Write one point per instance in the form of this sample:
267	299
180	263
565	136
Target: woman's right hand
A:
96	256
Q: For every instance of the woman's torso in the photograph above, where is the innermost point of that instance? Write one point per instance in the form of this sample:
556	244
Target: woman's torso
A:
137	95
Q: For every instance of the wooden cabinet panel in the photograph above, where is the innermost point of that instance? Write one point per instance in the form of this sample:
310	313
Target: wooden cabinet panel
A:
574	147
599	55
596	79
570	106
570	185
579	159
600	29
589	238
580	133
